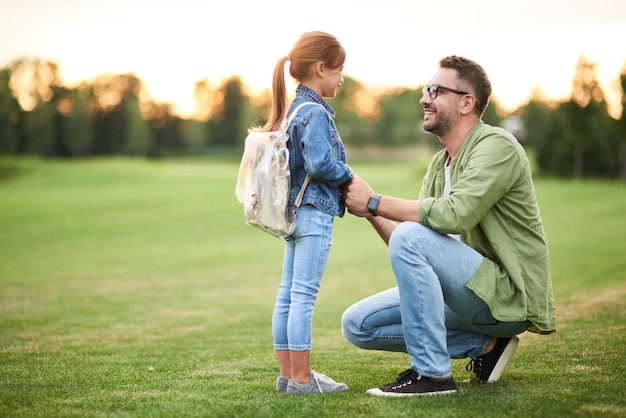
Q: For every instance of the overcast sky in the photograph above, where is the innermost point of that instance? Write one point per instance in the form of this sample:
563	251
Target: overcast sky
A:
170	44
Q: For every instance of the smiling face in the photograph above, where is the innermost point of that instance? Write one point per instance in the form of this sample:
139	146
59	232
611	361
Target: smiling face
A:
442	112
333	79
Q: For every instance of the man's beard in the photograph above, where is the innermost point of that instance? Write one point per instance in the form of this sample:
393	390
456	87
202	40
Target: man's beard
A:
441	126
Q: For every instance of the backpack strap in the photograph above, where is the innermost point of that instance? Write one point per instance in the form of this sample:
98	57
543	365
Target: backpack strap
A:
287	121
298	201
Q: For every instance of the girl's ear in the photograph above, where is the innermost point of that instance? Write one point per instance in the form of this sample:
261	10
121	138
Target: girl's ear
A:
319	68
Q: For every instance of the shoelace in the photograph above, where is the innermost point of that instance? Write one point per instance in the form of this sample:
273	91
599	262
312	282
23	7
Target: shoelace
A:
323	378
405	378
475	366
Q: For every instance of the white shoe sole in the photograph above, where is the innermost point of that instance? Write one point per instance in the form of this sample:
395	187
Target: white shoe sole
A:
506	355
378	392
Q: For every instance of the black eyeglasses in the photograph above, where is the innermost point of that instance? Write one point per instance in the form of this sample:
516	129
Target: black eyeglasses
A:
433	90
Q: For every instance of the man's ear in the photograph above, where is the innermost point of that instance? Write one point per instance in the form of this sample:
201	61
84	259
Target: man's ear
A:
467	104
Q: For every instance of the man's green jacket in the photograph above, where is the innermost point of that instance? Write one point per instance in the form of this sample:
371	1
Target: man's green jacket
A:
492	206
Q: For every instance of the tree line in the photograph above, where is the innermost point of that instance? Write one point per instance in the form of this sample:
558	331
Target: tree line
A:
113	115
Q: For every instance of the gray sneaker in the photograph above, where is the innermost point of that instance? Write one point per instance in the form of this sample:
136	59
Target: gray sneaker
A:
281	384
319	383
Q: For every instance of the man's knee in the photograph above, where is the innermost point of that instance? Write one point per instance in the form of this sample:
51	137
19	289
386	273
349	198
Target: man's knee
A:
403	235
350	327
353	331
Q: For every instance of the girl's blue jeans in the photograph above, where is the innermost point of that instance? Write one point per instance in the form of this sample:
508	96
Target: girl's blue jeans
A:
304	261
432	315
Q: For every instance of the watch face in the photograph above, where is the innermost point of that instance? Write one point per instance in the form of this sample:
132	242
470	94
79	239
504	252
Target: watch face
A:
372	204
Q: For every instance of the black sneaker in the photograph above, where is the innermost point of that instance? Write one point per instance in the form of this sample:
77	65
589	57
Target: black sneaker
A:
410	383
489	367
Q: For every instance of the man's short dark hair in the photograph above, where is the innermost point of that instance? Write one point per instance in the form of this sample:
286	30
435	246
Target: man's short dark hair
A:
474	76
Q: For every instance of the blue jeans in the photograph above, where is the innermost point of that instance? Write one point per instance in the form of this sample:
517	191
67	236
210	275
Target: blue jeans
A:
431	315
304	261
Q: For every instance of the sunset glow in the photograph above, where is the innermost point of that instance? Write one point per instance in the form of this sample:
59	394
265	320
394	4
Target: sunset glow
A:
531	45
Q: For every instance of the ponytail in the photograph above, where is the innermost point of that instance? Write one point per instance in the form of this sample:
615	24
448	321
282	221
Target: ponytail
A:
278	110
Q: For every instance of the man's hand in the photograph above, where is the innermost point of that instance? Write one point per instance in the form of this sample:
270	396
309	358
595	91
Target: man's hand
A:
356	195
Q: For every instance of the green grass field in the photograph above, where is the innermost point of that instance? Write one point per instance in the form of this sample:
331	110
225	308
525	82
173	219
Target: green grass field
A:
132	288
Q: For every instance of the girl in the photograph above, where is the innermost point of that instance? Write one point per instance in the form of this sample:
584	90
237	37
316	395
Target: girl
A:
315	147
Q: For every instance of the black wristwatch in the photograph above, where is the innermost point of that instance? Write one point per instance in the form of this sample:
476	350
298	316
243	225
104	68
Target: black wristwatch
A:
372	204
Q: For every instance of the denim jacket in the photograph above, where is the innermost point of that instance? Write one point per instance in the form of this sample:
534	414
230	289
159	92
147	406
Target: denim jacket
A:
315	147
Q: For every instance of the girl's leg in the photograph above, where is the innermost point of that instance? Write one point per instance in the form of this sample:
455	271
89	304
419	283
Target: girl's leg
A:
300	365
306	256
313	239
280	315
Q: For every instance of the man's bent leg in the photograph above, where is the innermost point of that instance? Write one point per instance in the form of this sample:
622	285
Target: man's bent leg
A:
374	323
428	265
466	339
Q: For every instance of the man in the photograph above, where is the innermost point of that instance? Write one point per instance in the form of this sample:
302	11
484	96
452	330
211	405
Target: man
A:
470	255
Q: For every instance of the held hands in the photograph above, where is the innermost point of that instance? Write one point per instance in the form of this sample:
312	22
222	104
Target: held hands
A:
356	195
